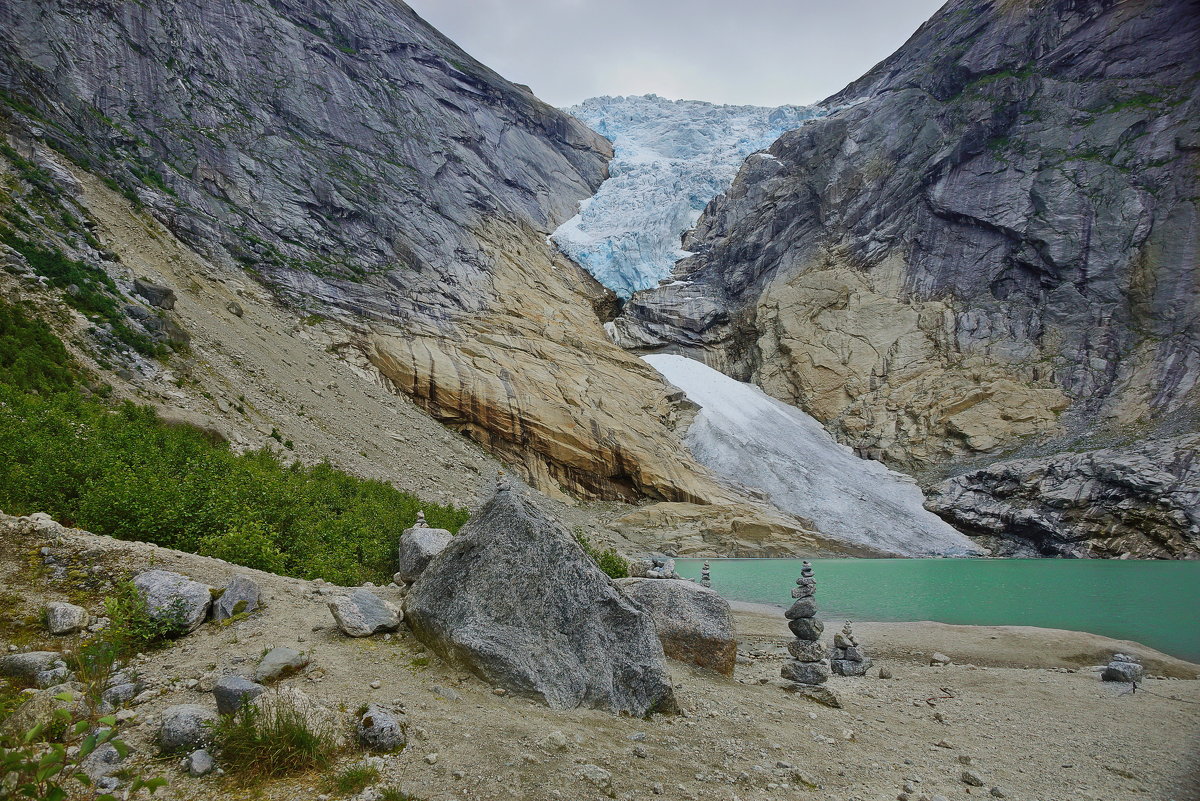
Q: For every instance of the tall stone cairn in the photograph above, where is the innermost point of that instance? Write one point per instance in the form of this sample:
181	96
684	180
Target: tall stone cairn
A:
705	575
849	658
806	665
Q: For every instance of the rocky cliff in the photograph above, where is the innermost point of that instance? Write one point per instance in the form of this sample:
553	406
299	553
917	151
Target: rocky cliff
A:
369	173
990	238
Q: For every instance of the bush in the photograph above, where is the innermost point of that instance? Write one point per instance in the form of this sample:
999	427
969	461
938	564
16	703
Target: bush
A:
607	559
272	740
32	358
30	767
251	544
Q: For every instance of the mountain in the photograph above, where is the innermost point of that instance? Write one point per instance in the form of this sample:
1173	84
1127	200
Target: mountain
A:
371	175
987	248
671	158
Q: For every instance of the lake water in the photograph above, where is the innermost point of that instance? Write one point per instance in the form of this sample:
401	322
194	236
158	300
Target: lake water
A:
1152	602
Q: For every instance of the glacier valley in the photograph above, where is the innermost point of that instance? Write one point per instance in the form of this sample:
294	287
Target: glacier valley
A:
750	438
672	157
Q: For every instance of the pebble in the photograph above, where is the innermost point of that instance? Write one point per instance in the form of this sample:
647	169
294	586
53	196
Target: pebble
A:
431	758
996	792
972	778
375	685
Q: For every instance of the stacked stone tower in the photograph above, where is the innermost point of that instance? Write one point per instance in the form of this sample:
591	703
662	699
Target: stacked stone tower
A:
849	658
806	670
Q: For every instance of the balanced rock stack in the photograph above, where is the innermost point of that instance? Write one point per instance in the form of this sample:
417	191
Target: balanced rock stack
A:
848	656
806	668
705	576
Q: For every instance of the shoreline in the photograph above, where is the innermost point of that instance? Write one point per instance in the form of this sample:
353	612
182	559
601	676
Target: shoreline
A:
984	646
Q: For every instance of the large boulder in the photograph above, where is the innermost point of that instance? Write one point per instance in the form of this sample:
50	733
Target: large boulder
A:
419	545
186	727
694	624
363	613
26	667
279	662
233	692
515	600
169	595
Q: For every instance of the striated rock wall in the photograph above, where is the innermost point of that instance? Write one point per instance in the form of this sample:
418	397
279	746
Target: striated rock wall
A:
370	173
992	236
1141	502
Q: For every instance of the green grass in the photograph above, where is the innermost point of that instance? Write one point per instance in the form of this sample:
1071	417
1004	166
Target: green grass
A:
272	740
607	559
353	780
119	470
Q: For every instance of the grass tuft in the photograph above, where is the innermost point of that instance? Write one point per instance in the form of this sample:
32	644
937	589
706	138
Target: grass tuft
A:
272	740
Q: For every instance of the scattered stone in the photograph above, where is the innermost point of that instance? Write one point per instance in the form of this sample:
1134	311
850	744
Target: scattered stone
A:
363	613
173	596
375	685
972	778
234	308
185	726
555	741
233	692
101	763
939	660
240	597
280	662
996	792
597	776
694	624
885	672
563	633
431	758
820	694
380	730
1123	668
805	672
64	618
198	763
449	693
418	546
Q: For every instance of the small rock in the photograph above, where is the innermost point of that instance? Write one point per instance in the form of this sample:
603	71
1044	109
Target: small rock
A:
596	775
380	730
199	763
375	685
232	692
185	726
996	792
445	692
363	613
972	778
240	596
555	741
279	662
885	672
64	618
155	294
234	308
431	758
939	659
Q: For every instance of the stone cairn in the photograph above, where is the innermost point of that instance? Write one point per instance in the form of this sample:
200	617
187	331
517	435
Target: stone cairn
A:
705	575
420	521
849	659
805	667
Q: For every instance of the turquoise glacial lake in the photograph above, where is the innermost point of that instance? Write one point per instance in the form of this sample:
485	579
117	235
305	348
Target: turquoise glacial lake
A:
1156	603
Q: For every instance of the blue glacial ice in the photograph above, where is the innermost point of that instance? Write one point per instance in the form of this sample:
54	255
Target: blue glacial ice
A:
672	158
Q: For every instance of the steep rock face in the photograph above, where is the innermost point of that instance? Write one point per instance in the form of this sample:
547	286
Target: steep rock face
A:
368	171
1141	502
993	235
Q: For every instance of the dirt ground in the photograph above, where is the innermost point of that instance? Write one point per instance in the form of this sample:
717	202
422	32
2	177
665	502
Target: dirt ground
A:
1018	704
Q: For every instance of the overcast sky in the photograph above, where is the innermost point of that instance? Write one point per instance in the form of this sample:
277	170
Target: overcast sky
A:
762	52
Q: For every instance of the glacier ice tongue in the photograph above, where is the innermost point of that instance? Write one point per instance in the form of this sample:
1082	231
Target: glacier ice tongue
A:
672	158
748	437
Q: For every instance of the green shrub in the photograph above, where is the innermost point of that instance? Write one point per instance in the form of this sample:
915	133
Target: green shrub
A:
272	740
31	357
251	543
607	559
33	767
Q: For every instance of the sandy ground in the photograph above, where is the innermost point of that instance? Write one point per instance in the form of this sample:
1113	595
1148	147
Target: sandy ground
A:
1047	732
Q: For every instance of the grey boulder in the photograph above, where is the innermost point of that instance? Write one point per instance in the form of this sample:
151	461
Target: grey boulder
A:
233	692
185	726
63	618
805	672
694	624
240	596
363	613
170	595
806	650
26	667
380	730
562	632
156	295
850	667
279	662
198	763
1123	671
418	546
806	628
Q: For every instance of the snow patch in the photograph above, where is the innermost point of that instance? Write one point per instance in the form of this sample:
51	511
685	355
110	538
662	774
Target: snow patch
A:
750	438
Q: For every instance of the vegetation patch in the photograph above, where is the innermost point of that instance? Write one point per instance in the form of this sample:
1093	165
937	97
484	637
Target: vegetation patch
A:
607	559
261	742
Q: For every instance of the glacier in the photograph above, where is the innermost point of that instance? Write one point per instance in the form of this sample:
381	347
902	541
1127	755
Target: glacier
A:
749	438
671	158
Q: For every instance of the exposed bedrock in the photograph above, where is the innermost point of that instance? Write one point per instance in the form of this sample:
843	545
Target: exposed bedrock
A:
992	237
1141	501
